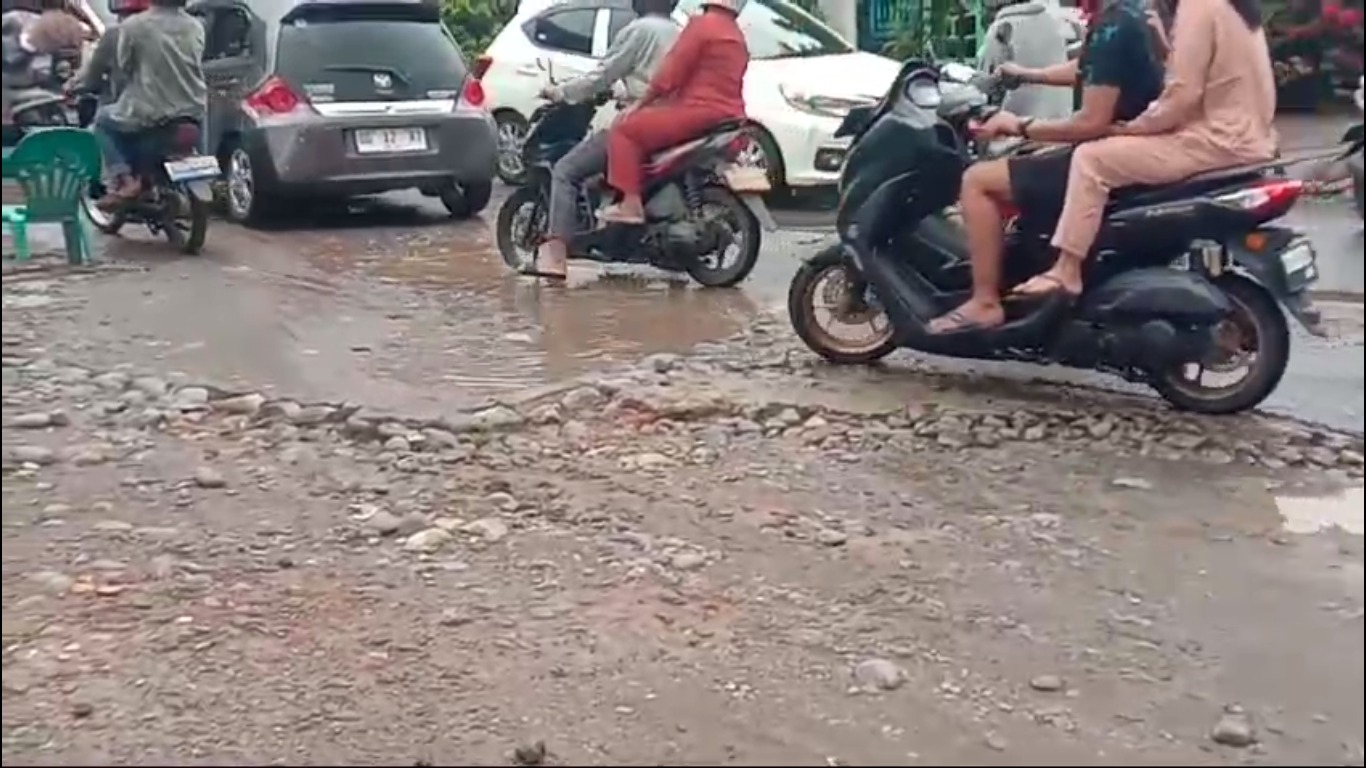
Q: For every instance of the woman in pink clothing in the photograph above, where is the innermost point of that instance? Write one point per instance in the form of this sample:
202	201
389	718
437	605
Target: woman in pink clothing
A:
1215	111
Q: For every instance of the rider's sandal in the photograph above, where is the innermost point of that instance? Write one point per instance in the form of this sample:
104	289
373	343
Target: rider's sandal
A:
531	271
1056	288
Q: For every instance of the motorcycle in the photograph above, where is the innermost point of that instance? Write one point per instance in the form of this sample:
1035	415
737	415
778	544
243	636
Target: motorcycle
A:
176	187
1186	279
698	205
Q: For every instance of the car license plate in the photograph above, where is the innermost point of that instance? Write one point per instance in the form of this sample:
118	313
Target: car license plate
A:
192	168
382	140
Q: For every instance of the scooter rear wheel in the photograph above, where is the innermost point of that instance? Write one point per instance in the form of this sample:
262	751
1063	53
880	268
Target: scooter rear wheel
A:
1255	337
827	282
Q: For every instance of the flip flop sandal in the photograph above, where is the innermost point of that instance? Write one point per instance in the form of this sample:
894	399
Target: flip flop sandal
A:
614	215
961	324
1057	288
532	271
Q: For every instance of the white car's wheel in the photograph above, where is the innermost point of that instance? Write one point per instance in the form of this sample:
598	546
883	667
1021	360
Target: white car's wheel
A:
763	153
512	129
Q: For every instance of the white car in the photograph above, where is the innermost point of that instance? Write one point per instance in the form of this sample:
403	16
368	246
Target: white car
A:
802	79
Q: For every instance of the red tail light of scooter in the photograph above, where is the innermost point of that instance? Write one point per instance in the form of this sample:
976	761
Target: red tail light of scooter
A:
737	146
1266	200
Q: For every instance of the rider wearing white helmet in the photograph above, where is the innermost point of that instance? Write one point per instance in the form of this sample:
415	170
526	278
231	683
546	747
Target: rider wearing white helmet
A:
699	86
632	60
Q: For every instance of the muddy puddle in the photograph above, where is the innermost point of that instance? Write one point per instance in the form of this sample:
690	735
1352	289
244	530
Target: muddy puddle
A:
1318	513
452	313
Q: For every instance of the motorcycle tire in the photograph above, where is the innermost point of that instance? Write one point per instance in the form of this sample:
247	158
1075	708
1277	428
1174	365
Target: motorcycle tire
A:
192	242
745	225
508	245
108	223
801	312
1255	306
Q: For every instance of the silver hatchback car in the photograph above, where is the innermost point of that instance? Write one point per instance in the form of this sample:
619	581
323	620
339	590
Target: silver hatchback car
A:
327	99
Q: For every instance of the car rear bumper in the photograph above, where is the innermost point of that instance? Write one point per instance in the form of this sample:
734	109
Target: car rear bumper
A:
320	153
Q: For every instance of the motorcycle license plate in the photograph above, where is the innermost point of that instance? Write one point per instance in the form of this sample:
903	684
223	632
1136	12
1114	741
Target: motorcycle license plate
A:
193	168
745	179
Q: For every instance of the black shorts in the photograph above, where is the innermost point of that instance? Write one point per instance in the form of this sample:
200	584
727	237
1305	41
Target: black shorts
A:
1038	183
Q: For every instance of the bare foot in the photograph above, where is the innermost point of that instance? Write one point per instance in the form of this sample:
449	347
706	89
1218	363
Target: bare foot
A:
972	316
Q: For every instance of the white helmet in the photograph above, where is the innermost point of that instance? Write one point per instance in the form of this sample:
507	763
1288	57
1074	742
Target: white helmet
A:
732	5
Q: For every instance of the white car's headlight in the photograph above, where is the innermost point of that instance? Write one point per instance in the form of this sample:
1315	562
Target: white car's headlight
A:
825	106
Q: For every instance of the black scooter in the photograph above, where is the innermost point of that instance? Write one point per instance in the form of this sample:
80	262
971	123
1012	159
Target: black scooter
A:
698	206
1185	279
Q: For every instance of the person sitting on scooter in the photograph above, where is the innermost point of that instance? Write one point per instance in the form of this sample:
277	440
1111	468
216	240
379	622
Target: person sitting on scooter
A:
101	75
30	38
1027	35
1216	111
699	86
1118	74
632	59
160	54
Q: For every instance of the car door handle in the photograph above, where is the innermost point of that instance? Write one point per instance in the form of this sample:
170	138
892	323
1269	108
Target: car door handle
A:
528	71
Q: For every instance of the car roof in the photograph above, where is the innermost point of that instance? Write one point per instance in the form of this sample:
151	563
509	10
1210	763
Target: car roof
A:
529	8
275	10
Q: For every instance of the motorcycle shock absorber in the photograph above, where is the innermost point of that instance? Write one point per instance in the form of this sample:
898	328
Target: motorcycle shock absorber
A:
692	195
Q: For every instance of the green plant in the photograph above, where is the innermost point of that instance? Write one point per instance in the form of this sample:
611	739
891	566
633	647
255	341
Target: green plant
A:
474	23
943	29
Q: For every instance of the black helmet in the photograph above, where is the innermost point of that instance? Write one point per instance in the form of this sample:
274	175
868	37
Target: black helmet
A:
656	7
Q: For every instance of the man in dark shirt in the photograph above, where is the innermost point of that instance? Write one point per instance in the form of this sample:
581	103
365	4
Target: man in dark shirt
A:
1118	74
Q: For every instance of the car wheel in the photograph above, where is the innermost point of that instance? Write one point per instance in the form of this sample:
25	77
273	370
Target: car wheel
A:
763	153
512	130
244	199
468	199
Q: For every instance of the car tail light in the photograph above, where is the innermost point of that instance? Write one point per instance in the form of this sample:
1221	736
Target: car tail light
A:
481	67
274	97
1267	199
473	94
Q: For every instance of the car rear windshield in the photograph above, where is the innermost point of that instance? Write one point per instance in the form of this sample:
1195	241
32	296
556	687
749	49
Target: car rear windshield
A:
774	29
369	53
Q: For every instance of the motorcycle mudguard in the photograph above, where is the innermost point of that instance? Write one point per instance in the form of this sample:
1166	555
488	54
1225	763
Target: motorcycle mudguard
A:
202	189
1154	293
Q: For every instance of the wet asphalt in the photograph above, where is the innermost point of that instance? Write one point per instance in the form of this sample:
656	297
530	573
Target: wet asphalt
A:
391	290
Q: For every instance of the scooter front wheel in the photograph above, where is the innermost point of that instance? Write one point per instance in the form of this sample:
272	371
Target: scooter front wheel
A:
827	285
522	224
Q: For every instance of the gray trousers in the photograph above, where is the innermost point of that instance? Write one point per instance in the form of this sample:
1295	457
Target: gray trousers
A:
587	159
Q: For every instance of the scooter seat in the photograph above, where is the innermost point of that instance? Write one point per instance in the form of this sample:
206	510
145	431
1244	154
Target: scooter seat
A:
664	159
1194	186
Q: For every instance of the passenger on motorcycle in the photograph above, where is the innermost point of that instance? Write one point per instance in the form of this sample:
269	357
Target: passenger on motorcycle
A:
1216	111
1118	74
101	75
159	54
30	38
632	59
1029	36
698	86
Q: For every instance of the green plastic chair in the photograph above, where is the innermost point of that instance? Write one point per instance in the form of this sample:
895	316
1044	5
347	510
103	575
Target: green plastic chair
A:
54	167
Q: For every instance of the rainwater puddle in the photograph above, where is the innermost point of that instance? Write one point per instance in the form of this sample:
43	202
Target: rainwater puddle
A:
442	309
1314	514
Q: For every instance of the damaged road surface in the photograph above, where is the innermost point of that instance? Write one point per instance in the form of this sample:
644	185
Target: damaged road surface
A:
722	558
357	497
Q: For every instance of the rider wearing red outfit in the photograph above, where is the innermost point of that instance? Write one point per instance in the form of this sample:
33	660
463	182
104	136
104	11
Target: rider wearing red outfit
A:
699	85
